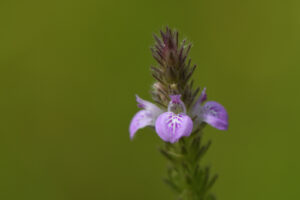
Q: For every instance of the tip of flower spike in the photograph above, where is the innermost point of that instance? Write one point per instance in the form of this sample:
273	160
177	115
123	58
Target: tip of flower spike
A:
174	68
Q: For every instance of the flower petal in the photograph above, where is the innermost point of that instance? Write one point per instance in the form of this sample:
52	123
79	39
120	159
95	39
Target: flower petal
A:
171	127
215	114
176	98
155	110
197	106
140	120
176	105
203	96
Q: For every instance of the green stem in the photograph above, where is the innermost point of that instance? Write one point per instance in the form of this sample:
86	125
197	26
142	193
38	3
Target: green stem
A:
189	179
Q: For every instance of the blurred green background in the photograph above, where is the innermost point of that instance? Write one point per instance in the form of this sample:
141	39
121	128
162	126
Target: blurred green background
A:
69	73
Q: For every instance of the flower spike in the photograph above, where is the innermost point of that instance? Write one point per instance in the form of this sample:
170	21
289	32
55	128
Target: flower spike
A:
179	114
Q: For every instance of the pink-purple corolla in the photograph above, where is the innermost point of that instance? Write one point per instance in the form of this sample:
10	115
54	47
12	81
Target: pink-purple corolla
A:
175	122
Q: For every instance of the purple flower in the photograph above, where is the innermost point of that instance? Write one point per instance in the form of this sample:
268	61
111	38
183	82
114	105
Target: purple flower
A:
211	112
145	117
174	123
170	126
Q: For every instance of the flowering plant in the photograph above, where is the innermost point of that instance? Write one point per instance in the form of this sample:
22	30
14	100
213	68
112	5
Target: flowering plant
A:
179	118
